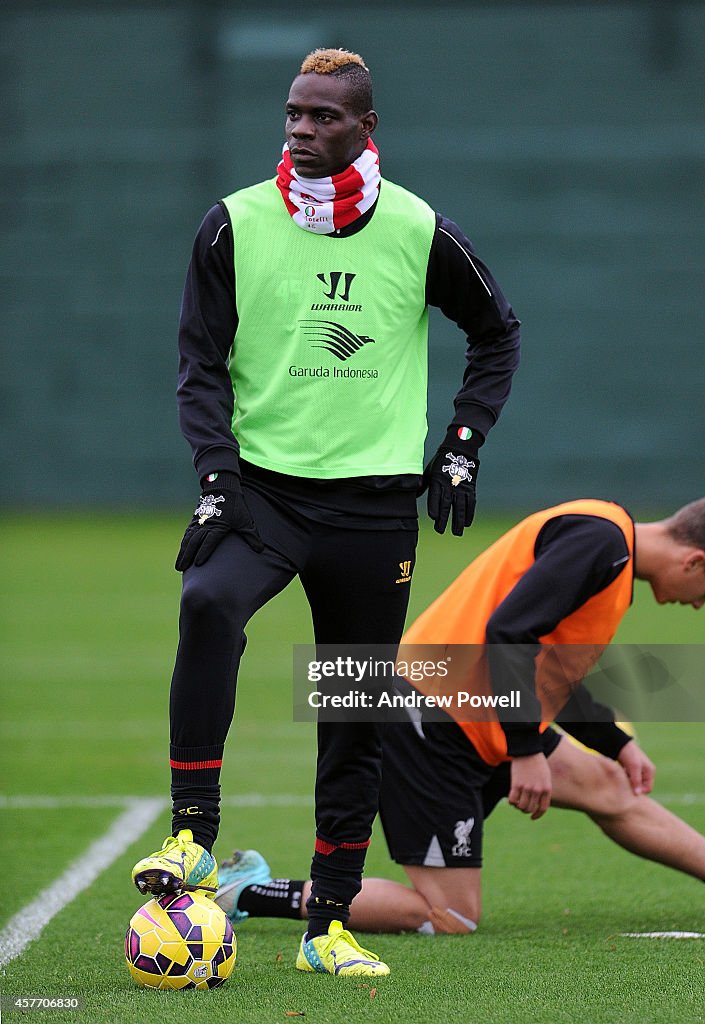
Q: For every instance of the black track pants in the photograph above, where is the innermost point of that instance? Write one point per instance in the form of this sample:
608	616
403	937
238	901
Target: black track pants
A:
351	580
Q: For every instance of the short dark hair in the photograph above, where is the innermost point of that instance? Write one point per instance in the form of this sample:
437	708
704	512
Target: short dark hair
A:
687	525
348	66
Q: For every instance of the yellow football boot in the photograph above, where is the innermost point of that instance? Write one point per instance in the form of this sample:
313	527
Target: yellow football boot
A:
338	953
180	865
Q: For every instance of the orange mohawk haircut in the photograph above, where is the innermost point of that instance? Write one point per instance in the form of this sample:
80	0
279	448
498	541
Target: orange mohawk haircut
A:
325	62
346	65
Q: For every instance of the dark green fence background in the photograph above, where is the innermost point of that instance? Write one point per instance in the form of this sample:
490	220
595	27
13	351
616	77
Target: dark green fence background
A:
568	140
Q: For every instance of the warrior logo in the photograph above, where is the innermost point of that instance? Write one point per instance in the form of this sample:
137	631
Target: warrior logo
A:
335	277
462	832
207	508
405	572
335	338
459	468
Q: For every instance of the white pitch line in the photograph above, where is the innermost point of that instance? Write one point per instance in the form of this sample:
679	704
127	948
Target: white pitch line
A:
684	799
29	923
42	802
268	800
48	803
662	935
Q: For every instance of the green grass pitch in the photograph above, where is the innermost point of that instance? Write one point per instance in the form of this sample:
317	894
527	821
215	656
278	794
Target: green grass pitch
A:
89	619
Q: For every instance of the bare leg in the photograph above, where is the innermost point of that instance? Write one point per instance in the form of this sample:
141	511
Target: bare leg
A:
446	889
386	906
599	787
383	906
391	907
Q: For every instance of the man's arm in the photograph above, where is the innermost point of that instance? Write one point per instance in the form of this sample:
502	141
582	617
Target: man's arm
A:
575	558
592	723
205	393
462	287
465	291
206	331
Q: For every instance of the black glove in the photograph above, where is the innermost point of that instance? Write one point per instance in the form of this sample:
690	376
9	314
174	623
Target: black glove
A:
221	509
450	478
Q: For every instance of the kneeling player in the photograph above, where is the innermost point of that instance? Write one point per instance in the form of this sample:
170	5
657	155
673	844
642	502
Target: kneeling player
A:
436	794
562	576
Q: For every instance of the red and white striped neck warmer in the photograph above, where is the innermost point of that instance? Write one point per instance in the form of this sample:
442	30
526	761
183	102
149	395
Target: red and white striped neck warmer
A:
323	205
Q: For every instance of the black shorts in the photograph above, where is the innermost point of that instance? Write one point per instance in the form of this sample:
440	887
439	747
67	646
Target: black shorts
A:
437	791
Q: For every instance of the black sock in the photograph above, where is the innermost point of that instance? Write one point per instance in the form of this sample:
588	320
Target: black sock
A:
321	911
199	810
195	792
279	898
336	874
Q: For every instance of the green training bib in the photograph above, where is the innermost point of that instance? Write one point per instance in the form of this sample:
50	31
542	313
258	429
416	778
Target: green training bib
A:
329	361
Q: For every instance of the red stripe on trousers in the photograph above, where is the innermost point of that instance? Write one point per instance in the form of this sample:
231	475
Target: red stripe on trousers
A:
193	766
327	848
